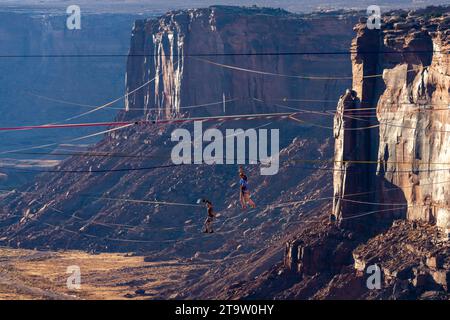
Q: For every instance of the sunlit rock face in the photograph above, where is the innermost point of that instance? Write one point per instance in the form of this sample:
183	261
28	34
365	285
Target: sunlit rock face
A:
354	177
181	51
412	108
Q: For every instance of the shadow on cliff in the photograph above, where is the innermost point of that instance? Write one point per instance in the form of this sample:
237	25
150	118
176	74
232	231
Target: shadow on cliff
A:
391	198
371	199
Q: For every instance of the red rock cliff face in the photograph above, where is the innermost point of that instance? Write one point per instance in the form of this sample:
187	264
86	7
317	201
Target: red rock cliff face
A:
168	49
411	100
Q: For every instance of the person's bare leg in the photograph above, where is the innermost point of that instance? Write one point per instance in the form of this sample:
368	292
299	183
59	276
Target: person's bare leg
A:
250	201
242	200
210	229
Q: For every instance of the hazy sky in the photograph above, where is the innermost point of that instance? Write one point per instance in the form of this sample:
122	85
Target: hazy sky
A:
145	6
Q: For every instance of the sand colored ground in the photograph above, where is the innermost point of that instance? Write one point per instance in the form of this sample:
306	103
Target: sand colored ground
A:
28	274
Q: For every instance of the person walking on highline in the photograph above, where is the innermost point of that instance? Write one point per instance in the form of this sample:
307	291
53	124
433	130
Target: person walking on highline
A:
244	196
210	216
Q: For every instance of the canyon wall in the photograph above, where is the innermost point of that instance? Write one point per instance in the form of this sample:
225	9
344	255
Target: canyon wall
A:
410	101
184	51
38	87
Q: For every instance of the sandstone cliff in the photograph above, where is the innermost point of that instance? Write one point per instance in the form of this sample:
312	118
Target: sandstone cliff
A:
177	47
411	100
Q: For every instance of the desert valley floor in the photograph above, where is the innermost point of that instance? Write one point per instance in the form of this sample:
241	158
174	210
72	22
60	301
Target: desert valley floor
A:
28	274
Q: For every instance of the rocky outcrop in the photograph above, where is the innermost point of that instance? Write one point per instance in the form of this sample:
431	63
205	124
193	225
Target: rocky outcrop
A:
319	249
409	261
409	254
354	177
411	101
